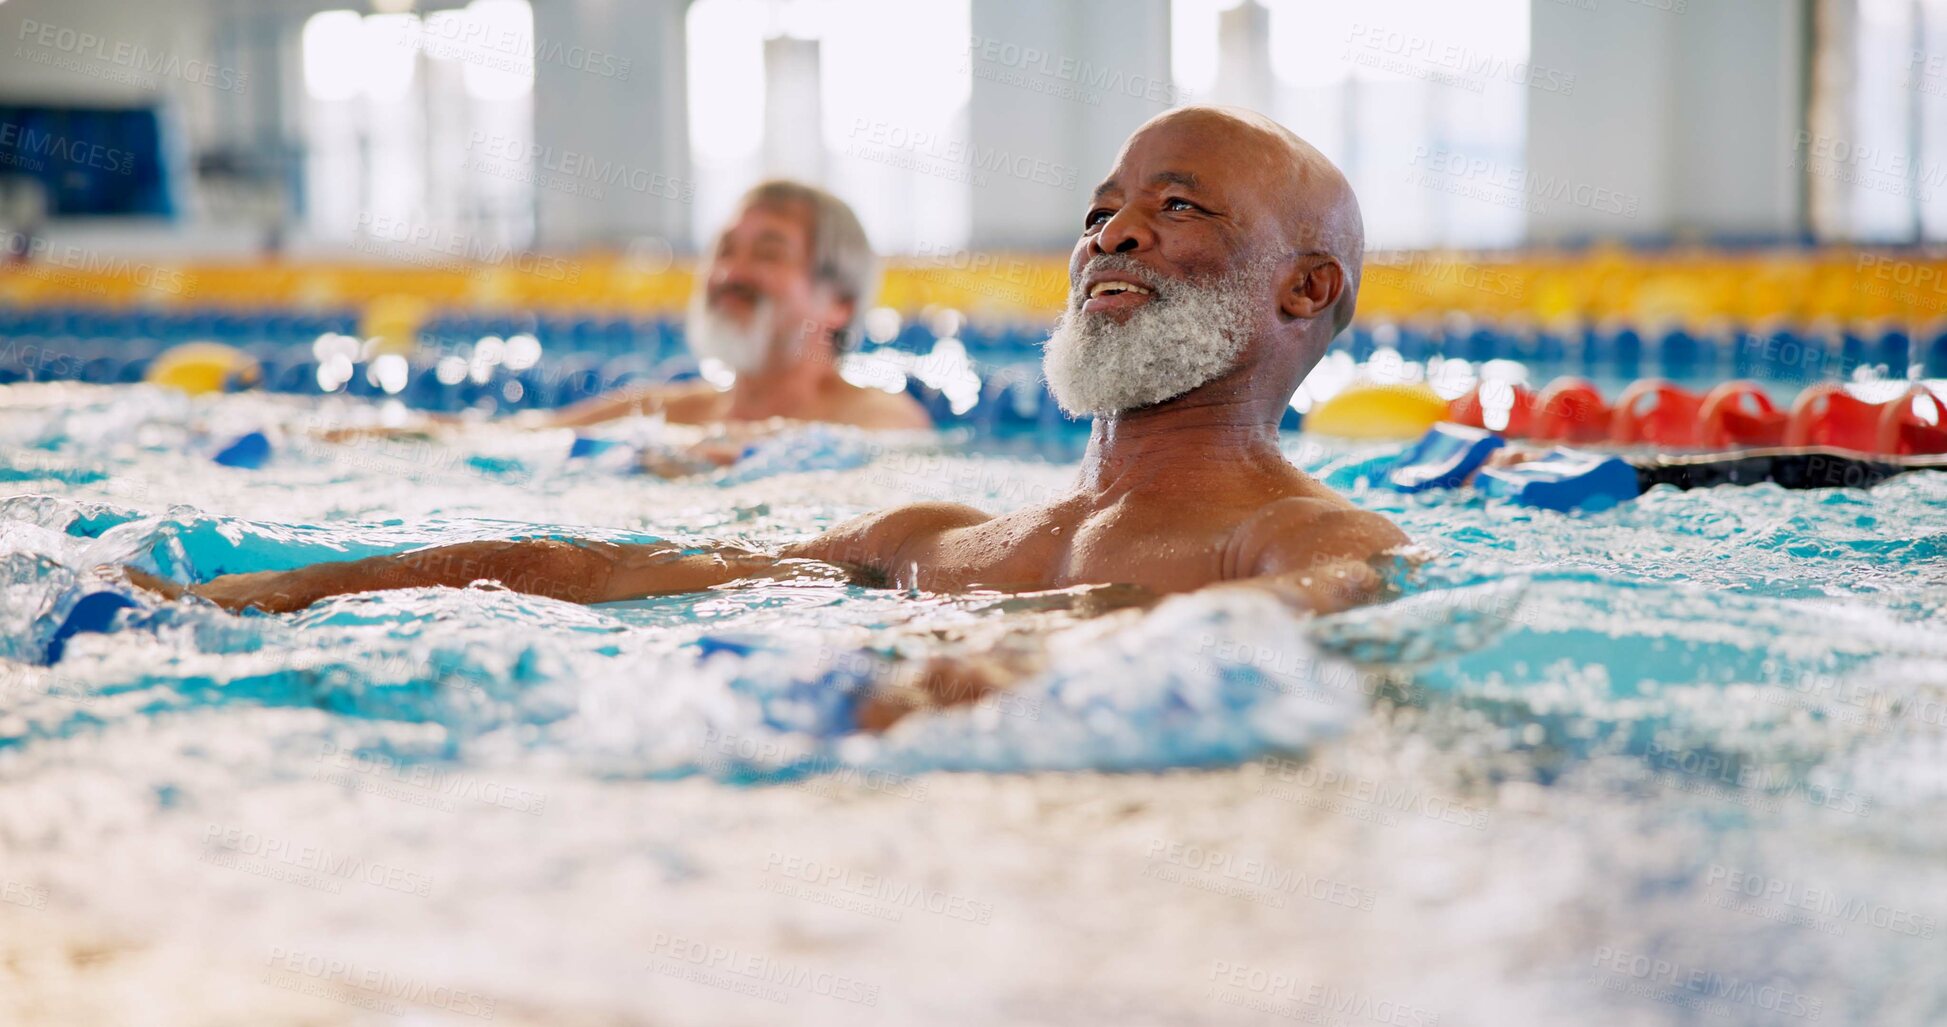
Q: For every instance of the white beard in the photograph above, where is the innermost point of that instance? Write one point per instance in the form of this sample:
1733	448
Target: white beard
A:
741	348
1186	335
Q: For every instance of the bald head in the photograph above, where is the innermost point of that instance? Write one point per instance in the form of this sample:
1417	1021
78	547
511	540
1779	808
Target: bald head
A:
1309	205
1220	256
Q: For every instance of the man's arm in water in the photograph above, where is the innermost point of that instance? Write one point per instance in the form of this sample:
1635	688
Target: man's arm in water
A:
578	572
867	548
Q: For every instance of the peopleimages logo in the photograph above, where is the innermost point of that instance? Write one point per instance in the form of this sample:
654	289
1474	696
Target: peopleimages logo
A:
297	964
1418	49
432	241
677	954
1714	773
131	56
1423	273
49	259
1893	171
25	141
471	39
444	783
1001	54
573	164
1517	181
1820	904
1902	272
274	852
1256	877
1705	986
893	894
962	153
1289	996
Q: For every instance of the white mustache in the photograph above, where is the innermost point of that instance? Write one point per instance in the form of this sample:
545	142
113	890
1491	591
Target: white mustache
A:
1118	265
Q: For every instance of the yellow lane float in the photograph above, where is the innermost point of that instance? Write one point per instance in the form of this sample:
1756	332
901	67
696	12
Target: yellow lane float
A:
1376	410
202	367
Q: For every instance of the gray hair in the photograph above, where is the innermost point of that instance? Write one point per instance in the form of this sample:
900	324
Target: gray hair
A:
841	255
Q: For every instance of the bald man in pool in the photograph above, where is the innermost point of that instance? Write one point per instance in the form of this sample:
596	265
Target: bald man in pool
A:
1215	264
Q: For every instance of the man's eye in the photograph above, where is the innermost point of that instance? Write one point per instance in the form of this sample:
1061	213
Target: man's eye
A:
1095	218
1178	203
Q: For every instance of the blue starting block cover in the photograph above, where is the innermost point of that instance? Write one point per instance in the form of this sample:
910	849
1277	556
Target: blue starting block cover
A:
1565	479
1443	458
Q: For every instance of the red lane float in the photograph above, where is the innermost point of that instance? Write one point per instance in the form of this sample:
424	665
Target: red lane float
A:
1657	413
1910	424
1734	415
1472	408
1922	434
1739	415
1571	410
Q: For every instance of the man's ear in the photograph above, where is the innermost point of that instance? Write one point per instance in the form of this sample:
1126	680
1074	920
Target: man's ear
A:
1311	286
828	314
834	312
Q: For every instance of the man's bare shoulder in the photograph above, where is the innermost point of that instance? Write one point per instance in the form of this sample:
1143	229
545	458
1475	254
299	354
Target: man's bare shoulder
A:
683	402
875	540
880	410
1304	530
931	515
693	402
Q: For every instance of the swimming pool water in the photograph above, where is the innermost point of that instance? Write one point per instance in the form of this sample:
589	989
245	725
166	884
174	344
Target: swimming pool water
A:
1705	729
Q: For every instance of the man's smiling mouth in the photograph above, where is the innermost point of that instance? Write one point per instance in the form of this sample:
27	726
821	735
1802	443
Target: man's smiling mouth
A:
1111	294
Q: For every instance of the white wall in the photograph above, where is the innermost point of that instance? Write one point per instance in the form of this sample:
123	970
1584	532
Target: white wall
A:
92	74
1690	113
1741	107
1067	106
639	121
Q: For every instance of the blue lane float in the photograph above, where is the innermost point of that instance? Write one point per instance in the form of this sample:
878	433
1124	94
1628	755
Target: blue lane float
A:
1564	479
1450	455
1444	458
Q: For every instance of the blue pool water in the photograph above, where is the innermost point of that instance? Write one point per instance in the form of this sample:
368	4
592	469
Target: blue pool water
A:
1605	726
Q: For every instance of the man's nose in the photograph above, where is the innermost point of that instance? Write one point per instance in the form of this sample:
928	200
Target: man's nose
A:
1126	231
728	271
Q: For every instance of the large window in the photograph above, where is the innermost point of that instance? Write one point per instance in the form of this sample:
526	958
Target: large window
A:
1398	93
418	129
1876	156
792	87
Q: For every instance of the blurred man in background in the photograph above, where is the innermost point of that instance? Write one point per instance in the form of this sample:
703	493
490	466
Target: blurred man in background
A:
781	300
